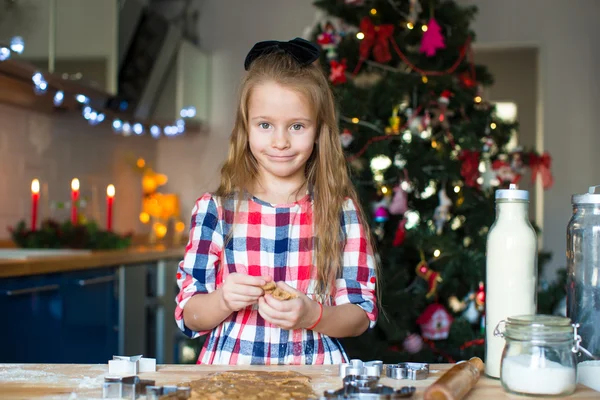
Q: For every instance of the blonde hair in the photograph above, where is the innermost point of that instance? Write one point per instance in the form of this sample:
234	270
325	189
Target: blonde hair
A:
325	171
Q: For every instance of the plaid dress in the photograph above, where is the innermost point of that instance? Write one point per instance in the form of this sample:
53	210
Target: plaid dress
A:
274	240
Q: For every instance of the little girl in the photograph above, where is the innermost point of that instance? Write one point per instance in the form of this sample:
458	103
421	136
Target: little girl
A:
285	212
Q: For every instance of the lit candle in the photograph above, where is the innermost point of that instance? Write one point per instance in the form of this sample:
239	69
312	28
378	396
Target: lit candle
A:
35	196
74	199
110	197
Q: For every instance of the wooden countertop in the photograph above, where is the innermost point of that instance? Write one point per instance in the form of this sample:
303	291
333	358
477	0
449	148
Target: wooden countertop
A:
77	381
95	259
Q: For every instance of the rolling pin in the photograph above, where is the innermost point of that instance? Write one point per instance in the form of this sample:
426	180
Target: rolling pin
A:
456	382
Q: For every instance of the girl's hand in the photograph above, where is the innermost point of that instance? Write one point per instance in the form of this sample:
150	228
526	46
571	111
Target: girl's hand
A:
298	313
240	290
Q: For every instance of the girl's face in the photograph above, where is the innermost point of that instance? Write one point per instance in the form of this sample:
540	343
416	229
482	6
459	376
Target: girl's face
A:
282	131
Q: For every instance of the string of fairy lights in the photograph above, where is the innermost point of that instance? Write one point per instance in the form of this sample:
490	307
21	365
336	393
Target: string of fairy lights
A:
93	116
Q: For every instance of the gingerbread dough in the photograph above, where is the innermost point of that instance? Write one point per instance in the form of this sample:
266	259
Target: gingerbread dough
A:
272	289
250	385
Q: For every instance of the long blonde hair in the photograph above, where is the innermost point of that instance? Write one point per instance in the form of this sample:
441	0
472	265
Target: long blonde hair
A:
325	171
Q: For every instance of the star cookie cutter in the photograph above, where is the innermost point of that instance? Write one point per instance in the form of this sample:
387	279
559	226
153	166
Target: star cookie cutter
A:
358	368
407	370
367	387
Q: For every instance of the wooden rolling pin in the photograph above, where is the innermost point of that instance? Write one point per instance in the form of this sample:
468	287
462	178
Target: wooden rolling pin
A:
456	382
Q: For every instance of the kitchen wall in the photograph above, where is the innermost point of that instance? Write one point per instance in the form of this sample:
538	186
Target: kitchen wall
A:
56	148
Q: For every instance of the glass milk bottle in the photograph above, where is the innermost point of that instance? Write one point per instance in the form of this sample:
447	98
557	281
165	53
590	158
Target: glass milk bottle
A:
511	270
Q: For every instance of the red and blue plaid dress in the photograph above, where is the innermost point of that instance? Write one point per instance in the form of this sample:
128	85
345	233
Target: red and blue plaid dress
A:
273	240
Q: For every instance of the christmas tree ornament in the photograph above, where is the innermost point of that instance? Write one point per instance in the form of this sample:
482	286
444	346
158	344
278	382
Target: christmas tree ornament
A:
381	214
516	161
455	304
430	276
394	126
400	235
413	11
504	172
467	80
346	138
376	39
442	212
337	72
435	322
480	297
541	165
470	167
471	313
399	203
432	40
329	39
413	343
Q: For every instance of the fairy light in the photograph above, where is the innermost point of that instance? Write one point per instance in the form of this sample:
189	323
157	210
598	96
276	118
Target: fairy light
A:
424	79
456	189
355	120
477	99
384	190
410	25
373	11
424	28
407	137
360	36
437	253
493	125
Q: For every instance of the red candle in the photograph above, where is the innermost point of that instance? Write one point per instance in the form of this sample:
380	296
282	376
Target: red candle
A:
35	197
110	197
74	199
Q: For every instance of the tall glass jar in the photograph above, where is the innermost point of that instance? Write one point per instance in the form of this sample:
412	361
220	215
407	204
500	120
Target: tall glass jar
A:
583	271
539	355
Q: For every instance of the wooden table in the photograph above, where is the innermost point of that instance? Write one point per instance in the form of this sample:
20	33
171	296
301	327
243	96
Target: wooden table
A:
76	381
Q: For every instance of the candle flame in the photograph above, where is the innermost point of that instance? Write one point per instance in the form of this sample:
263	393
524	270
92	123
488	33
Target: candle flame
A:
75	184
110	190
35	186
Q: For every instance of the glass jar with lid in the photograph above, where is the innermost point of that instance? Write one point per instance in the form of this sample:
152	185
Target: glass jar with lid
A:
539	355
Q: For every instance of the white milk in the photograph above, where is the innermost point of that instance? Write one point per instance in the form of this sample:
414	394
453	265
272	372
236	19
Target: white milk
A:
511	270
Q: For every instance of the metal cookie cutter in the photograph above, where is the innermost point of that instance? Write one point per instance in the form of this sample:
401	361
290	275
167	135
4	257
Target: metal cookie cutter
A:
177	392
367	387
359	367
408	370
124	387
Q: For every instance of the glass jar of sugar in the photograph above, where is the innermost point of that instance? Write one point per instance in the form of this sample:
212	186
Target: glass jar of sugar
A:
539	355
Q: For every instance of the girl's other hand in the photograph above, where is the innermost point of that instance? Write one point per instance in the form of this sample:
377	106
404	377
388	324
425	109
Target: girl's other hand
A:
298	313
240	290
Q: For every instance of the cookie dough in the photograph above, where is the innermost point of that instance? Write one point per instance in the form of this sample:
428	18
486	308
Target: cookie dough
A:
251	385
272	289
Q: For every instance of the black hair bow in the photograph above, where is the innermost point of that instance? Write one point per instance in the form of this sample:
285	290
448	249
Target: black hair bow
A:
303	51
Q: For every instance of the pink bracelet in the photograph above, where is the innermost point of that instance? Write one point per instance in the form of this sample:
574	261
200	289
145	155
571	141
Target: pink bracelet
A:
319	319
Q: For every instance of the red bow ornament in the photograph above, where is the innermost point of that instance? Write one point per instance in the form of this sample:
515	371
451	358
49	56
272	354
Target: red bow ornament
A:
541	165
470	167
376	38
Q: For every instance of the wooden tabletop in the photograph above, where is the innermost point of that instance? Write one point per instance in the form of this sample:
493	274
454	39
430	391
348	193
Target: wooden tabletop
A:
77	381
94	259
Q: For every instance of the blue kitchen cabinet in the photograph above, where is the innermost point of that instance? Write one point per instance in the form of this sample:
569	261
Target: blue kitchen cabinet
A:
90	321
60	318
31	311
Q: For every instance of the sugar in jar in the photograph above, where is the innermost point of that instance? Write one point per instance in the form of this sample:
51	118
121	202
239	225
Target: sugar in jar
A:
539	355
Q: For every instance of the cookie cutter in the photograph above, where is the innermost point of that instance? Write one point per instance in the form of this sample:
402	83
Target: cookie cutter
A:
176	392
124	387
358	368
407	370
367	387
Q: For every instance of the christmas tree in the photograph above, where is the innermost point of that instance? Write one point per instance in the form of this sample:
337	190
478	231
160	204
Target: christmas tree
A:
426	151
